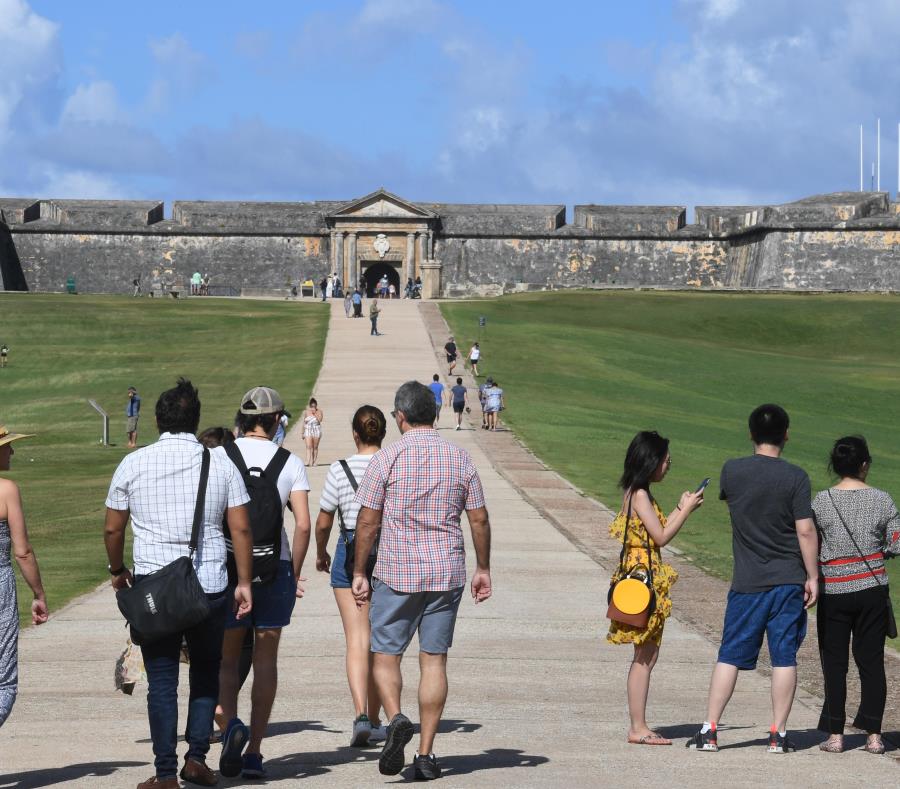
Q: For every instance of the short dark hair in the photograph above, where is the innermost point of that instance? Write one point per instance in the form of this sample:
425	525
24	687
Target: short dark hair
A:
848	456
370	425
248	422
435	377
458	381
645	454
178	409
417	403
769	424
216	437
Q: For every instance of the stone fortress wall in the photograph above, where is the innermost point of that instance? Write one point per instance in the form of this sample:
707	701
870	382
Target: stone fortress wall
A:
840	241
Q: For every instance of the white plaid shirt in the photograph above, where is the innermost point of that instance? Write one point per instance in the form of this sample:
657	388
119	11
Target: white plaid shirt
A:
158	485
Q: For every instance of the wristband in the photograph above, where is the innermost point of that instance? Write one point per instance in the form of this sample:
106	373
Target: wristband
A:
118	572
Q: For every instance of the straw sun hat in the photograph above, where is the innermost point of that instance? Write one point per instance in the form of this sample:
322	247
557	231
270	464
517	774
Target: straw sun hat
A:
7	438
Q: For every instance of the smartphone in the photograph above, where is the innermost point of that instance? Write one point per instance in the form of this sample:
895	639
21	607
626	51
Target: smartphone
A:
702	486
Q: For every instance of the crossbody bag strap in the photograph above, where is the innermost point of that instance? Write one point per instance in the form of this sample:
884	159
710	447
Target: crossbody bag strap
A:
853	539
625	535
201	501
353	484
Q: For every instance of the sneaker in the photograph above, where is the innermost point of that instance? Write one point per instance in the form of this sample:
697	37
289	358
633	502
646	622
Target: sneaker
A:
459	427
233	742
399	733
703	741
779	743
379	734
426	768
253	766
362	730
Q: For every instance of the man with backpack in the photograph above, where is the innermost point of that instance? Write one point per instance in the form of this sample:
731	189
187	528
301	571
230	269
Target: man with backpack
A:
273	477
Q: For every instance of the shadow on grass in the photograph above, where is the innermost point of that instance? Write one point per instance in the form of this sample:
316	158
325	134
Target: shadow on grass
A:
59	775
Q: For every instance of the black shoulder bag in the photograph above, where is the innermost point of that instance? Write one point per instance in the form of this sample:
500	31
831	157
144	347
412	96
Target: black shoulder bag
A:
171	599
349	539
889	610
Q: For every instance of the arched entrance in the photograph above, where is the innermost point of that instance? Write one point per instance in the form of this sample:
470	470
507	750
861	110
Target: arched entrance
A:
372	272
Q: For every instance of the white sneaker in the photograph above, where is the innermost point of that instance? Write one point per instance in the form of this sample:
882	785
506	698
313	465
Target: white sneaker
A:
378	733
458	427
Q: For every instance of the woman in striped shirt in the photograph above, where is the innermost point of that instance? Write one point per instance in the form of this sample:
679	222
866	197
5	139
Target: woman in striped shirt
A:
339	495
859	528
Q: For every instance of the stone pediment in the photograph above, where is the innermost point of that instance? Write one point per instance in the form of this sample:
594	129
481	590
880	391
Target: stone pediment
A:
382	205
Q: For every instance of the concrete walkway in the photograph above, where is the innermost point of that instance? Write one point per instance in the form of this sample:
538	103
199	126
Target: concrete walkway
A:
536	695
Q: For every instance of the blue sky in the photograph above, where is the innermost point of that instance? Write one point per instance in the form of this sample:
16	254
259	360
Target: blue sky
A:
673	102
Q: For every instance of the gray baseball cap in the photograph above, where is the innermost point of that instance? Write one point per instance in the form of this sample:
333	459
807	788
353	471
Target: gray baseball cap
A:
261	400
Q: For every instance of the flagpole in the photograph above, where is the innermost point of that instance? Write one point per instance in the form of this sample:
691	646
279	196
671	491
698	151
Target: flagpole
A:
861	156
878	159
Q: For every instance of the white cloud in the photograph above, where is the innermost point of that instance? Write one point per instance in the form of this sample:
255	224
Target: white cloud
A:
92	103
81	185
415	14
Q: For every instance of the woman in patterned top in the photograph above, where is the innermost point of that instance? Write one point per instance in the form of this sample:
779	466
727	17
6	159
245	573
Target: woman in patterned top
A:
859	528
647	461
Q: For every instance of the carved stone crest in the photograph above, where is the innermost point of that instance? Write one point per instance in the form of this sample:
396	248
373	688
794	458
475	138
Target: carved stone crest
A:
381	244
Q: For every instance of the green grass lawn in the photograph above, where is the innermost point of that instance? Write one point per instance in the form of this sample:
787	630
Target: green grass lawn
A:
582	372
66	349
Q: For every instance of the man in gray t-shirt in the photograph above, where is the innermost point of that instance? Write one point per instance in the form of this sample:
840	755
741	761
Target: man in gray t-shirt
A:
775	574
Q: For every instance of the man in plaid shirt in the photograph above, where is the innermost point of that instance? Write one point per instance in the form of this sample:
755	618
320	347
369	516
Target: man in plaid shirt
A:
414	491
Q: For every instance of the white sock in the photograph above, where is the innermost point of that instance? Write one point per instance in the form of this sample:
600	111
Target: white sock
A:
704	729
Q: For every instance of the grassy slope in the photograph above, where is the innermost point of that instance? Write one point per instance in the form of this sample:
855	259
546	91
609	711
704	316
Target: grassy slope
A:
65	349
584	371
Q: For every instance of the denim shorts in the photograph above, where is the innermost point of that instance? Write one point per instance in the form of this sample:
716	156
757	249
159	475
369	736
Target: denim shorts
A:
273	603
778	613
396	616
339	579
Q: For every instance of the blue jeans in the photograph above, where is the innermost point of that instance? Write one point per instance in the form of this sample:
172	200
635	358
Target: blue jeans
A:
161	659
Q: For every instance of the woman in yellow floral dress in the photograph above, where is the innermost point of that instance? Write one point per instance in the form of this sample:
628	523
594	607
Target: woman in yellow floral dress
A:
647	461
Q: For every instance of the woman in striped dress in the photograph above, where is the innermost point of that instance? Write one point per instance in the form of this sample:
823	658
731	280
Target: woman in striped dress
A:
13	534
859	527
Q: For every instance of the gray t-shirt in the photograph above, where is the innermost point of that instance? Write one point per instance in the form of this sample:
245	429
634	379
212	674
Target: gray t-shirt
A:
766	496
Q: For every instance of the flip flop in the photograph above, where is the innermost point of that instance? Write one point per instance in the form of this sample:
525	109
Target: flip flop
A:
649	739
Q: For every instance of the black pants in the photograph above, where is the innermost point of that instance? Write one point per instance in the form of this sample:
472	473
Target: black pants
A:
862	615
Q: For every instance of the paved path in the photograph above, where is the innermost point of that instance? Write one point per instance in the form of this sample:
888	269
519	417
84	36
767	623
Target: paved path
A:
536	698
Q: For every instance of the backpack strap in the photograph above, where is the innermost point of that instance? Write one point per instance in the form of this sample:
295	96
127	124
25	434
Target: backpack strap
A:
237	458
277	463
353	484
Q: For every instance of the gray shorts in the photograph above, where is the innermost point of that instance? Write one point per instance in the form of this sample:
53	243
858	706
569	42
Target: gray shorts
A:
396	616
131	427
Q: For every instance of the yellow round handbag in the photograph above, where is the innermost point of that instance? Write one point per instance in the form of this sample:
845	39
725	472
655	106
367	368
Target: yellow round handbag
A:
632	595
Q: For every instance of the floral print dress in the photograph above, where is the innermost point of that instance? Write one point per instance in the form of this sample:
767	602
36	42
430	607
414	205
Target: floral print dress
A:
664	576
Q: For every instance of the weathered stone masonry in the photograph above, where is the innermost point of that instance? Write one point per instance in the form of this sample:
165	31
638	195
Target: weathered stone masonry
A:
840	241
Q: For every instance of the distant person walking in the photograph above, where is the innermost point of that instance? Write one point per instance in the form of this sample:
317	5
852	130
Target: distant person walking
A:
4	355
482	401
313	417
266	469
323	287
776	574
859	528
357	304
132	414
157	487
415	491
13	534
196	282
452	355
474	358
136	282
374	312
493	404
437	389
339	495
643	530
460	399
348	303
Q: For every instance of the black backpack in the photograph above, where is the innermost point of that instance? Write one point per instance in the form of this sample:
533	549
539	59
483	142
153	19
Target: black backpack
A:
266	515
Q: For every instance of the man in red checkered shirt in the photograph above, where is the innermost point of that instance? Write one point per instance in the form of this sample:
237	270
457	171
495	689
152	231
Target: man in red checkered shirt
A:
414	491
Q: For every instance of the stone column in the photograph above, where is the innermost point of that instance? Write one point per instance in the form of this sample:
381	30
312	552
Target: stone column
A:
339	254
334	244
423	252
430	245
410	258
352	263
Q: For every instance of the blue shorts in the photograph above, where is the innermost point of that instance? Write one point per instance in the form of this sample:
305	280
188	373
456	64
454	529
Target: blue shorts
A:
273	603
339	579
778	613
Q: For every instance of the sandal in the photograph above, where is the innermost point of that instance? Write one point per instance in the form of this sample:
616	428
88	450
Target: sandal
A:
834	744
874	744
649	739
